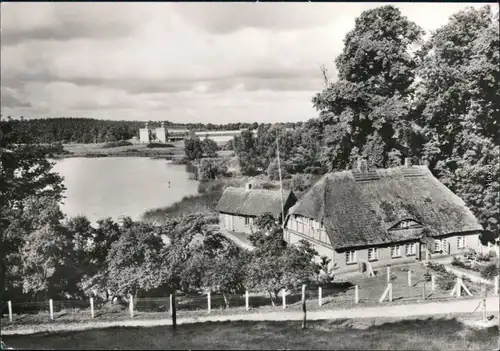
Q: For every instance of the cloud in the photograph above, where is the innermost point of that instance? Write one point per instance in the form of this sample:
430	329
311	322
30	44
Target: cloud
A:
218	62
67	21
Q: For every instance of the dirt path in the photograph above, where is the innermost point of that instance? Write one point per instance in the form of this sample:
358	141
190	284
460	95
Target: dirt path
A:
448	307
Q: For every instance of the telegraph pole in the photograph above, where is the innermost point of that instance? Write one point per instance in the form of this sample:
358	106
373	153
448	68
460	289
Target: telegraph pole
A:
281	184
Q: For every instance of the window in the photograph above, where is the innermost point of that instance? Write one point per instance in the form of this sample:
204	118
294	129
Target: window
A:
247	221
411	249
372	254
396	251
350	256
437	245
461	242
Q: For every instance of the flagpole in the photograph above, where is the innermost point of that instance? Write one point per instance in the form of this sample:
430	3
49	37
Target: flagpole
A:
281	184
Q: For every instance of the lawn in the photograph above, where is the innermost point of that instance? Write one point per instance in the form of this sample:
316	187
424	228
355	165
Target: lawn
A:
410	334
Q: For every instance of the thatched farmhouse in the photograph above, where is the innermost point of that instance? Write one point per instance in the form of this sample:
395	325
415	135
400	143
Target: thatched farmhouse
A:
239	207
382	216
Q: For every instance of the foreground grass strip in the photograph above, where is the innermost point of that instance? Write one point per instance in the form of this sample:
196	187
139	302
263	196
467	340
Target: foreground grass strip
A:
427	334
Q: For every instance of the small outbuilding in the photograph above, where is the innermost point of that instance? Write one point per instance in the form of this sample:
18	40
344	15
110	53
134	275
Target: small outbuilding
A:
239	207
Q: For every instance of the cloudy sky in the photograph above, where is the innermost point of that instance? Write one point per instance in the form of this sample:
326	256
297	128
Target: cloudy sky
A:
183	62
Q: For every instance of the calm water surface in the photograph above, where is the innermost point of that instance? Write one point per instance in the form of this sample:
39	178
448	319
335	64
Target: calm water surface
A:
121	186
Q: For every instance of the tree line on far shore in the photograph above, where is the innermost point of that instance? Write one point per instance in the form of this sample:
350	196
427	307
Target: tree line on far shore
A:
91	130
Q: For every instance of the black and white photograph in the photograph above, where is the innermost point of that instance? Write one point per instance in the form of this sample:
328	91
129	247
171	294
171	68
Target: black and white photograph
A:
253	175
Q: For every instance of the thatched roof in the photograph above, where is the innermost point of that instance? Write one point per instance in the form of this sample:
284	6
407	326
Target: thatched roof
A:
359	209
254	202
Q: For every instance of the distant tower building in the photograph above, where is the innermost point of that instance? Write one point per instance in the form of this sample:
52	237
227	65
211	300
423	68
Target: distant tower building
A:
144	134
160	133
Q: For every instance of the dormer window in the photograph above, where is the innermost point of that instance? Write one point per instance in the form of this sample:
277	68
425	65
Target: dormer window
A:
406	224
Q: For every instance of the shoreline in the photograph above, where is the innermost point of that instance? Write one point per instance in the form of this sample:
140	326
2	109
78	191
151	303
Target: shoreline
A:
121	154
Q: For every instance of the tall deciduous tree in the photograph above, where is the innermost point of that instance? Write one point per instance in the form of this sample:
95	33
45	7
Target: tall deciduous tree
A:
25	173
365	110
459	110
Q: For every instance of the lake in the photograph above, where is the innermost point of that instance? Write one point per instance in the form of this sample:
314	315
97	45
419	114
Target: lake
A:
121	186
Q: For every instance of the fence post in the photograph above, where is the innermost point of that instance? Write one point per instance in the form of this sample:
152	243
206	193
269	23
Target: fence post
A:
390	292
174	312
356	294
10	310
209	302
459	288
247	307
92	307
283	298
131	306
496	285
320	296
171	304
51	308
388	274
433	282
483	290
409	278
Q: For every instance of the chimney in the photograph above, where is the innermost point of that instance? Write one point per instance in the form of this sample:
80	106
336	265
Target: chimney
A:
407	162
248	186
362	165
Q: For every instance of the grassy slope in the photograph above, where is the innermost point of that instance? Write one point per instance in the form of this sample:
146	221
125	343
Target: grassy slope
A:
410	334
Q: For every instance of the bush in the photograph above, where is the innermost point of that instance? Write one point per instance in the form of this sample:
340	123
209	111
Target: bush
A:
117	144
484	258
490	271
209	169
458	263
446	280
471	254
158	145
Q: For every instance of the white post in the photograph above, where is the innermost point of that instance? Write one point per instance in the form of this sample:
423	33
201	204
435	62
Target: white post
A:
92	307
51	307
387	291
459	287
320	293
170	304
247	307
484	302
303	292
356	294
433	282
496	285
10	310
388	274
283	298
131	306
409	278
209	302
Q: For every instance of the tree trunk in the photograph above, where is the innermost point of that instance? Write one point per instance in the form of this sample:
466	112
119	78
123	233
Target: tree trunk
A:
272	299
226	301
